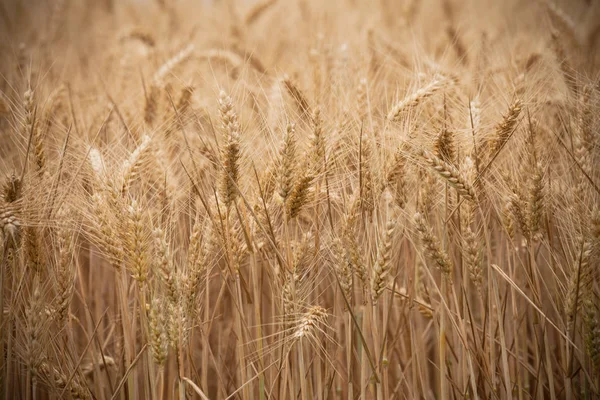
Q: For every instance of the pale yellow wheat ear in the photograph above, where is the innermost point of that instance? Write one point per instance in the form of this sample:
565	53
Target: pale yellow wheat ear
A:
198	261
536	201
96	161
432	248
506	127
163	264
10	224
287	162
396	177
64	270
158	334
131	166
299	195
473	258
31	127
450	174
342	268
581	278
350	231
136	242
297	95
104	230
171	63
34	330
317	156
415	98
310	324
444	147
230	150
381	269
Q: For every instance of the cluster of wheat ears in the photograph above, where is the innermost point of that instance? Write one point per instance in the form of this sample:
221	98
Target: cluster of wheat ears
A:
300	199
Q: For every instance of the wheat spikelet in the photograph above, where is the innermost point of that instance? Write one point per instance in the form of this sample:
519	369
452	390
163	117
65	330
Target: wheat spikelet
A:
472	258
135	242
451	175
164	265
367	190
581	278
341	266
536	201
171	63
469	172
288	296
444	147
431	247
105	234
299	98
415	98
34	330
382	265
584	140
287	157
12	189
426	195
10	227
64	273
591	319
350	241
230	153
505	128
299	195
158	339
396	179
33	251
310	323
32	128
131	166
317	142
96	162
516	207
198	261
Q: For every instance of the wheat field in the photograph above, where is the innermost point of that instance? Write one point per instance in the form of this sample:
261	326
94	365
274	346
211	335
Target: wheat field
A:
300	199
